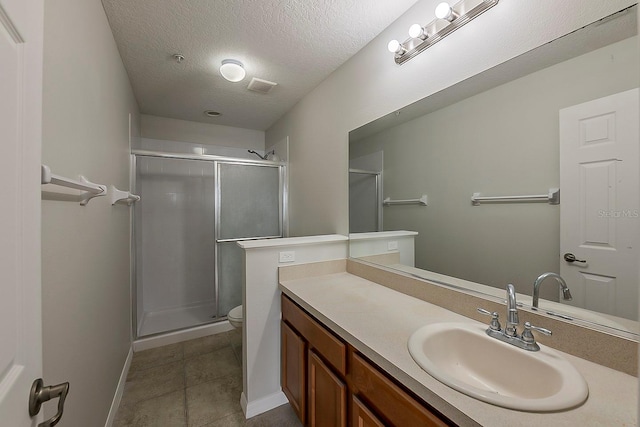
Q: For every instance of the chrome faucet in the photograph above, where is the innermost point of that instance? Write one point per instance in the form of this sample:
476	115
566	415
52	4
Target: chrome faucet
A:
512	312
566	293
509	334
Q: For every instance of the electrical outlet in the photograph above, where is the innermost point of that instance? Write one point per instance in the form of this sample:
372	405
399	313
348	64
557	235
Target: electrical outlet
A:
392	246
288	256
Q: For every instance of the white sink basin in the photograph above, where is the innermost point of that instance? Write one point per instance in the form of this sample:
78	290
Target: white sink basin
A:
464	357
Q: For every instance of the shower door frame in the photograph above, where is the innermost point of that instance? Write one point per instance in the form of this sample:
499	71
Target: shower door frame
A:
216	160
379	195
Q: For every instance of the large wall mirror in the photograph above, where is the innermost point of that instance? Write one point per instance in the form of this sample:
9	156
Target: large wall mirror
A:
562	116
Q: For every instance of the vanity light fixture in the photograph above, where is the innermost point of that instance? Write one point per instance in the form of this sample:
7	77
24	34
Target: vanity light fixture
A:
448	19
232	70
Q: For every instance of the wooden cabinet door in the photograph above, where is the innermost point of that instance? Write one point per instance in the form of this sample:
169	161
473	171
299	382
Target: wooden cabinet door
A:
363	416
293	372
327	395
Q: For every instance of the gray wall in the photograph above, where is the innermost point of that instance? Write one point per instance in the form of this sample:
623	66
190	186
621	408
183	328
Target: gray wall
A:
501	142
370	85
163	128
85	250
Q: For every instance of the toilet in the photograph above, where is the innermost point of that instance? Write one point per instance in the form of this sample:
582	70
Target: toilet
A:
235	317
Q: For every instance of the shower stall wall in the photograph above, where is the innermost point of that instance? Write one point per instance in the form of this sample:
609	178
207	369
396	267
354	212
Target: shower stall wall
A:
193	211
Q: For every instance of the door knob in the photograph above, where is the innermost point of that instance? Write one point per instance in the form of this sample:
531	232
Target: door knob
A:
40	394
569	257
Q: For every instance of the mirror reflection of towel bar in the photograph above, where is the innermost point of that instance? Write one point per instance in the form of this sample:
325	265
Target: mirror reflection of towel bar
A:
553	198
421	201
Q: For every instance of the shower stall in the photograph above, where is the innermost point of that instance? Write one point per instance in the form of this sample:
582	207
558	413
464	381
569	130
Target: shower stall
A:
192	212
365	201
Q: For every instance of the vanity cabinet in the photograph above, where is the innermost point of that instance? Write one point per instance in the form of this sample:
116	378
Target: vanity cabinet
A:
323	392
313	368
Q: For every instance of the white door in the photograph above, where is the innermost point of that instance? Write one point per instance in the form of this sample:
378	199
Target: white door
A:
599	210
21	29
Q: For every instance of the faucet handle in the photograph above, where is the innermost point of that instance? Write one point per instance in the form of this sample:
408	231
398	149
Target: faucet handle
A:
527	335
495	324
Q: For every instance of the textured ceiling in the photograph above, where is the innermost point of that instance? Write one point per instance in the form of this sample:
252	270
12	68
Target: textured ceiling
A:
295	43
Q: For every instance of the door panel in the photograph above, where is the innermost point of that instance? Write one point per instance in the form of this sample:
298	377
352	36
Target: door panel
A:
600	203
230	271
20	133
175	242
249	201
248	206
598	183
293	374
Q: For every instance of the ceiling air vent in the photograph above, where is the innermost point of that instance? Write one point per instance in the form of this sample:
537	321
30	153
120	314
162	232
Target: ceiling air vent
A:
262	86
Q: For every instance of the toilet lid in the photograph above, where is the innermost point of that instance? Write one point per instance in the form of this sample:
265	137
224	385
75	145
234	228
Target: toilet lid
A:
235	313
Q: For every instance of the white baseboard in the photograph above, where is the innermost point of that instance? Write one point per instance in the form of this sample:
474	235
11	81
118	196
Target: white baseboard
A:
115	404
179	336
267	403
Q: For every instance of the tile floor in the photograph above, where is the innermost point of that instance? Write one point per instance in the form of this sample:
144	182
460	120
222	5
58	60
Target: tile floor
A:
195	383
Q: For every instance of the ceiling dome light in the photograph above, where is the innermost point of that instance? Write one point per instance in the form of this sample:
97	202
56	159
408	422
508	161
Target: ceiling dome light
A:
445	11
417	31
232	70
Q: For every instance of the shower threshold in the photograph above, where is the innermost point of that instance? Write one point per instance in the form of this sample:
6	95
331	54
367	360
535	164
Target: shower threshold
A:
154	322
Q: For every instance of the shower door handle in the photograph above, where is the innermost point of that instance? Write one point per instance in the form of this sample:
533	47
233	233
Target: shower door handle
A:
40	394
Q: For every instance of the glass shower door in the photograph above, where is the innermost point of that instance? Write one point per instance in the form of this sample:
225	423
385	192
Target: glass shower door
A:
175	244
248	206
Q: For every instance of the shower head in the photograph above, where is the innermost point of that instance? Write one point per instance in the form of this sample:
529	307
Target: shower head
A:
257	154
271	155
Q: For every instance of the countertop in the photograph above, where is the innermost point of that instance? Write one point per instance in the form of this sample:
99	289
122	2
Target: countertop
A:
378	321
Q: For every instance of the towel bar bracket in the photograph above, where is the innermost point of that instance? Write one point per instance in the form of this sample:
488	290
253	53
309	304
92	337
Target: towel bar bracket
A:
86	197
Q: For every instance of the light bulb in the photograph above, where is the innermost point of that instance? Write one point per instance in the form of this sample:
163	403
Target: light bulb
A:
393	46
232	70
417	31
445	11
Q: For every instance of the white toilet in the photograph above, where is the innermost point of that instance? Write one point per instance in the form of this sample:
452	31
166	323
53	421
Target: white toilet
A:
235	317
